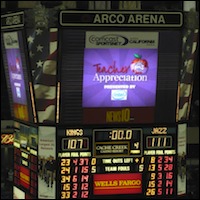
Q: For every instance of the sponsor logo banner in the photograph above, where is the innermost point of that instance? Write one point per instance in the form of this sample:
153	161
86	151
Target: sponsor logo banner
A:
105	184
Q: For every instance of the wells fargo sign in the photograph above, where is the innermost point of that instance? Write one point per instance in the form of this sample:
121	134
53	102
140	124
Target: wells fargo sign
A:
117	184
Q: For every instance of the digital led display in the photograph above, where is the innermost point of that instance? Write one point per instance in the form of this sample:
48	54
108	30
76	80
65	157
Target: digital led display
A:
117	162
124	142
112	76
25	159
117	184
17	75
119	77
75	143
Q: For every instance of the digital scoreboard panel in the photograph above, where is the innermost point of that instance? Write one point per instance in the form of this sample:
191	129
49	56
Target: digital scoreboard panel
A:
17	73
119	74
117	162
25	160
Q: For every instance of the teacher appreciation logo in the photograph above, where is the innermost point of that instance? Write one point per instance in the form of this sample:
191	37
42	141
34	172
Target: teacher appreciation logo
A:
138	66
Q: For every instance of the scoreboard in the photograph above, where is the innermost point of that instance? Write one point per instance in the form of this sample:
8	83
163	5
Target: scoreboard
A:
103	119
117	162
25	160
114	83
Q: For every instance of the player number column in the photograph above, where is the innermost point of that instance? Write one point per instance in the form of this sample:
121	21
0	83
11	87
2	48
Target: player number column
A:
65	178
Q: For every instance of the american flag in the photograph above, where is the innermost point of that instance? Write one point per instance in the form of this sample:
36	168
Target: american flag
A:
42	43
190	40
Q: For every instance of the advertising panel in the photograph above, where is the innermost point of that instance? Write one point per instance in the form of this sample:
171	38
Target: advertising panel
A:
182	150
16	75
121	74
46	162
25	159
112	80
117	184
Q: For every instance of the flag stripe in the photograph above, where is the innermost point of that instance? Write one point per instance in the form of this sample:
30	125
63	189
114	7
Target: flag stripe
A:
189	54
47	79
53	37
45	103
52	56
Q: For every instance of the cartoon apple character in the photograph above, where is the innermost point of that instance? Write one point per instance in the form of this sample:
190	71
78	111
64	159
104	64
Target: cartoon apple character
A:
139	65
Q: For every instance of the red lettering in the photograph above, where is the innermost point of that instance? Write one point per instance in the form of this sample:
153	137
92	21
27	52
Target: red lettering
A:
84	178
84	194
169	175
74	178
84	186
159	192
75	194
75	161
160	159
159	183
75	186
159	167
84	169
169	183
168	167
159	175
112	69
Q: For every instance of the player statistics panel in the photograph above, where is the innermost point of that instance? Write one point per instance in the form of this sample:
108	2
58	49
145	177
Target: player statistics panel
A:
76	164
116	163
160	169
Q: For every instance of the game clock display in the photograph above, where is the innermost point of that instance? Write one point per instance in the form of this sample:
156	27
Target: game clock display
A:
117	163
124	142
